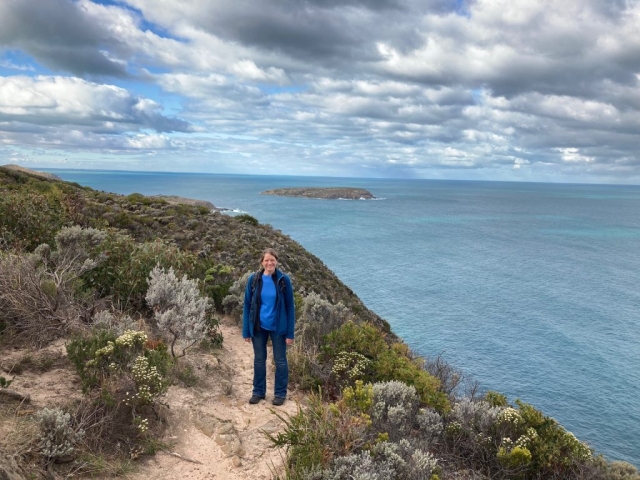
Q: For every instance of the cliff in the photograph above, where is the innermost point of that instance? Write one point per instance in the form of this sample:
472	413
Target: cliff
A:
94	381
18	168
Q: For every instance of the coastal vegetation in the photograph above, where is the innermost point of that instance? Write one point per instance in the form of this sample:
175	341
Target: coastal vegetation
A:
134	284
329	193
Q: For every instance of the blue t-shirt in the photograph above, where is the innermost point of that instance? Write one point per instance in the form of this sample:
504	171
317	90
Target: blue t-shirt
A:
268	304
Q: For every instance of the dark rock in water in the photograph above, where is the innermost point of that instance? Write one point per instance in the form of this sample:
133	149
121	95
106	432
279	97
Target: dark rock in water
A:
332	193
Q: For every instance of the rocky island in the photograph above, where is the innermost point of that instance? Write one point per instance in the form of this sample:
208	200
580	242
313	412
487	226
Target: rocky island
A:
331	193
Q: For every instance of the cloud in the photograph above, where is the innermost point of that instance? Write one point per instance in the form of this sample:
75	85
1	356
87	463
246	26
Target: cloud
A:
61	35
504	88
66	101
60	113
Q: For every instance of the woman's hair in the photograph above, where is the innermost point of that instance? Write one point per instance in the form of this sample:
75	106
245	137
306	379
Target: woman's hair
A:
269	251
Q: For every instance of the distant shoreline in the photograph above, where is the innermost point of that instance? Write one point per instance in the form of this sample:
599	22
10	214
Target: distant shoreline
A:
327	193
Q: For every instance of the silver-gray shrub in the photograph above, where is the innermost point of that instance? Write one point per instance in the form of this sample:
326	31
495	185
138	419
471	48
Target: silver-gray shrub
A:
179	308
117	322
233	303
74	246
359	466
394	408
57	437
430	424
476	416
318	318
408	461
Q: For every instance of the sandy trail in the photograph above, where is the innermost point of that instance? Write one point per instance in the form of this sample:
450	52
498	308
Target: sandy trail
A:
214	425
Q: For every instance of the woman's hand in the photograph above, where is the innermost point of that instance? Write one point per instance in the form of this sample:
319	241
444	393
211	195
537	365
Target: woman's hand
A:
289	341
248	340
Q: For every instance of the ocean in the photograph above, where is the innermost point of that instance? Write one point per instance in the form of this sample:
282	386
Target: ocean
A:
531	289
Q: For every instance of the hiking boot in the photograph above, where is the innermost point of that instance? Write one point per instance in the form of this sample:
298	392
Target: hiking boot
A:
277	401
255	399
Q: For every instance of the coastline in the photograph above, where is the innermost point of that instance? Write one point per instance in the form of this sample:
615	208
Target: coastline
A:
539	393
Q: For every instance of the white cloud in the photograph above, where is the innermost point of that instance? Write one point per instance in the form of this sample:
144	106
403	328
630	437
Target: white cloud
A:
59	100
248	70
393	87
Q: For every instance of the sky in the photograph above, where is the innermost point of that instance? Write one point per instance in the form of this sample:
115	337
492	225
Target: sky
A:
524	90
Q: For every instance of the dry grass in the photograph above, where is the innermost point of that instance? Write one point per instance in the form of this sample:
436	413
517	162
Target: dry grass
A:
35	309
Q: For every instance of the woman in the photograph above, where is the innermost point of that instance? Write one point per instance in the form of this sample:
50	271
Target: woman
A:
269	313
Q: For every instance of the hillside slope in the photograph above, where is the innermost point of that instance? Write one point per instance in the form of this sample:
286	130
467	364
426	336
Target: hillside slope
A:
90	381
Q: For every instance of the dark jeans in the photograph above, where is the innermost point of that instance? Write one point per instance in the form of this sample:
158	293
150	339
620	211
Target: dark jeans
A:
259	341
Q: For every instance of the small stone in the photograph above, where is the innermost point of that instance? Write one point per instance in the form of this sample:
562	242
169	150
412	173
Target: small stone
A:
236	462
226	428
227	448
221	439
270	427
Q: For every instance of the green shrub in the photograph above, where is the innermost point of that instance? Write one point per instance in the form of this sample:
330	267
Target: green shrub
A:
247	219
515	457
496	399
124	272
322	432
395	364
135	198
553	449
218	280
386	362
212	335
102	356
26	221
364	339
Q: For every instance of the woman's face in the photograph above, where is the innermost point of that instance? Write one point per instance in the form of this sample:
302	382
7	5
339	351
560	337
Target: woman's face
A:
269	263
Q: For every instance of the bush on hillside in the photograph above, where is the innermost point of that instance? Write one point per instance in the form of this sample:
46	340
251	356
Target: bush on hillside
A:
394	408
58	437
233	304
122	377
28	221
322	445
317	318
179	309
247	219
39	292
218	281
123	274
386	362
322	432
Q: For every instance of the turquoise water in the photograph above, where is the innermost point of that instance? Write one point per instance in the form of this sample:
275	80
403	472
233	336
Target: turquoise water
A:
530	288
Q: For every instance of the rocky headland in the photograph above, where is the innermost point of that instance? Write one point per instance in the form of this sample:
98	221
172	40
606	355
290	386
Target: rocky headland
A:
328	193
174	199
89	386
18	168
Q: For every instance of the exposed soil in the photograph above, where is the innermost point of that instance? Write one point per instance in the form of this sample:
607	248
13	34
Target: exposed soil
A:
214	424
212	433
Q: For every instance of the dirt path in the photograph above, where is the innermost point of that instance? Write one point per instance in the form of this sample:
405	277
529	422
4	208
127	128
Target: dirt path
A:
214	425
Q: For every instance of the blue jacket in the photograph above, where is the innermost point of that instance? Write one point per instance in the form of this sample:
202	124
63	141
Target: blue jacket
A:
285	310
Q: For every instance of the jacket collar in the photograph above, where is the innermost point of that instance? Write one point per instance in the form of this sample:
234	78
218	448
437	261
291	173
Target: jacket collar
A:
278	273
